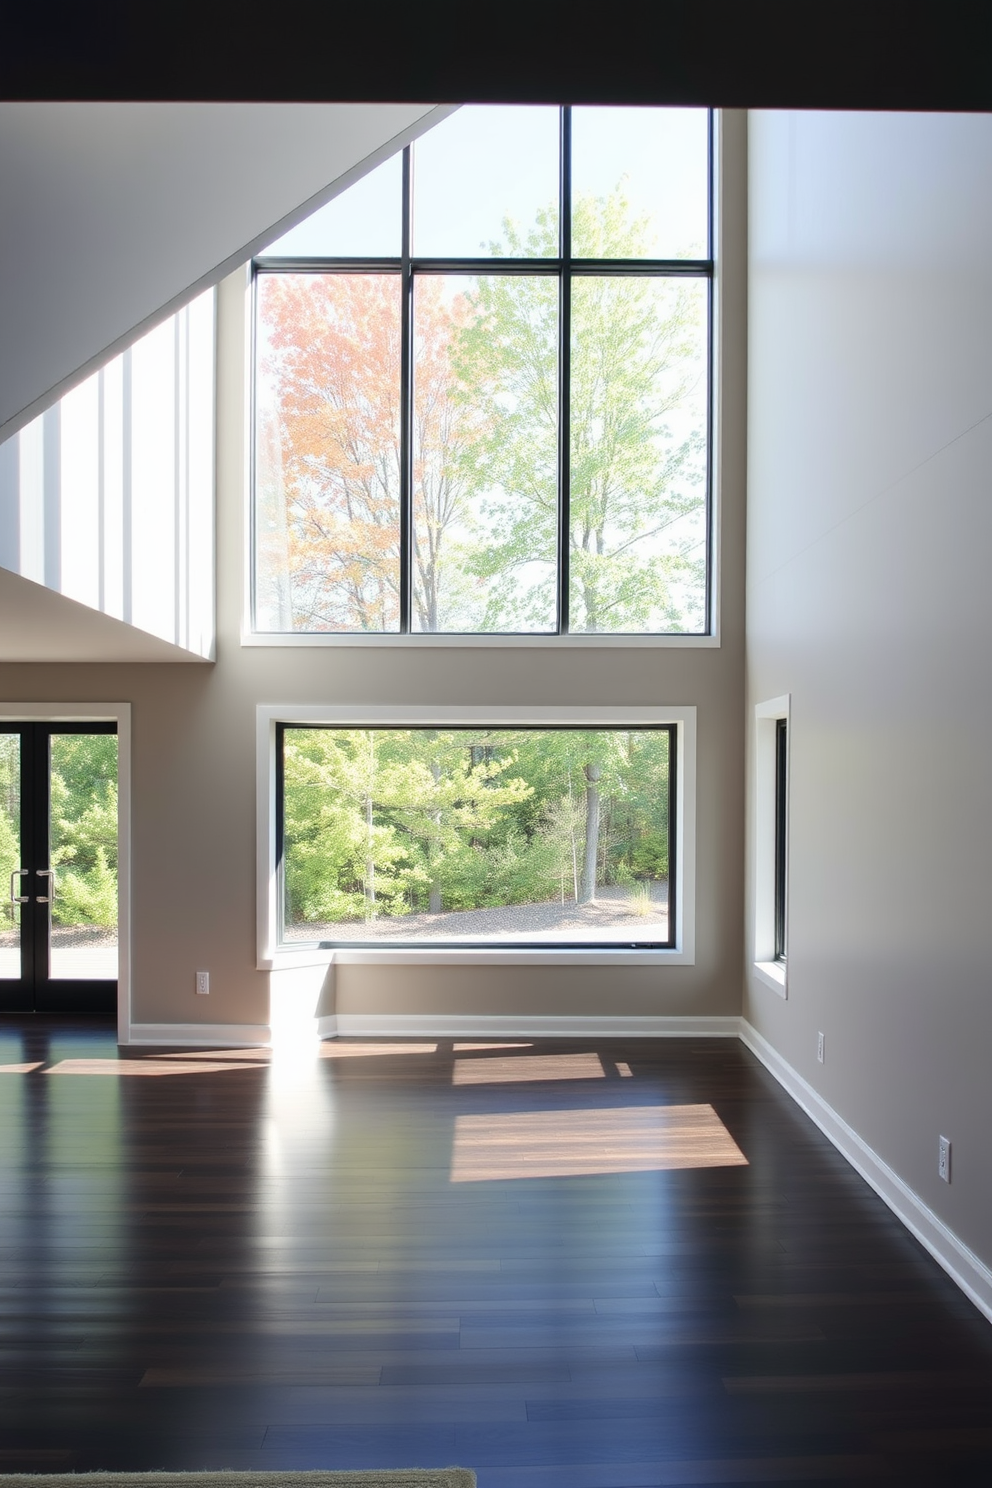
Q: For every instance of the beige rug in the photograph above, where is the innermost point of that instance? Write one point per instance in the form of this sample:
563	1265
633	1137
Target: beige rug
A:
406	1477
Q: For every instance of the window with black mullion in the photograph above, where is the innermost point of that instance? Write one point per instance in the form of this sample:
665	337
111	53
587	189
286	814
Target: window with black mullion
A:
511	441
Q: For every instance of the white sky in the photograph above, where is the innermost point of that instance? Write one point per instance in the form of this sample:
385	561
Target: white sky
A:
487	162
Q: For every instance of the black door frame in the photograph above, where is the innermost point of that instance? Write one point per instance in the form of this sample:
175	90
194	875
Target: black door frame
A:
36	991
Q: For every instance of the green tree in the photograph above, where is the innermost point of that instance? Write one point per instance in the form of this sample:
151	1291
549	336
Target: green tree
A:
442	796
84	828
637	442
562	822
87	898
612	787
10	812
340	860
587	767
384	821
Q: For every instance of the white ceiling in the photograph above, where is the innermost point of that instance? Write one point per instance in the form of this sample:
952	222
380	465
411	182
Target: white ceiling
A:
114	214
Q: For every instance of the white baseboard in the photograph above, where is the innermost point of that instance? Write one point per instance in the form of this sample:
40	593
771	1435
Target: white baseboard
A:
202	1035
437	1025
515	1025
961	1264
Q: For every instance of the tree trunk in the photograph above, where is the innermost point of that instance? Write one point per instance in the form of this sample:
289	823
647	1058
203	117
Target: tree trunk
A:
587	891
571	833
434	902
369	862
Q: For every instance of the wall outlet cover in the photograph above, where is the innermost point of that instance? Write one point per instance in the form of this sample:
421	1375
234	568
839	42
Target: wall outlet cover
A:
202	983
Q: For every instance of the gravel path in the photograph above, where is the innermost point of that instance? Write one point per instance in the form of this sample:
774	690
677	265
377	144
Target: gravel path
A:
67	936
610	919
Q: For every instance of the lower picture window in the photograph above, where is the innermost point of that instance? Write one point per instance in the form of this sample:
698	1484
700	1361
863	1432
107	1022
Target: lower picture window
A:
476	836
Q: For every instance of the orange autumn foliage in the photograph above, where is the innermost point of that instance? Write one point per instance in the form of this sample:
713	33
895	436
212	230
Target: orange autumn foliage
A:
330	373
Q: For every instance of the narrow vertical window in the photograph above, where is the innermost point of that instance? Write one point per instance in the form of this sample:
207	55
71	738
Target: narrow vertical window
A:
770	842
781	836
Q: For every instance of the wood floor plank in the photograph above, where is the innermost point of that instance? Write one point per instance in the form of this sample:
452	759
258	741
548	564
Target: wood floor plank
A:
715	1298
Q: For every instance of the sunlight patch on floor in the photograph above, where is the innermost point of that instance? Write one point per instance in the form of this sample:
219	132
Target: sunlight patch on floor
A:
527	1067
467	1048
581	1142
332	1049
260	1055
170	1065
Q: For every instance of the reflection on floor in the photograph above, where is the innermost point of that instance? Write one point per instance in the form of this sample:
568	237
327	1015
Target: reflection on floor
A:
582	1265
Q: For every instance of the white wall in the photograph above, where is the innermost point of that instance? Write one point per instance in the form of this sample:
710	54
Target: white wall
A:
115	214
869	535
108	496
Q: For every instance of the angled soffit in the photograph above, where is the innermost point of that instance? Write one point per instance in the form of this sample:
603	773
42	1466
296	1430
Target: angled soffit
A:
116	214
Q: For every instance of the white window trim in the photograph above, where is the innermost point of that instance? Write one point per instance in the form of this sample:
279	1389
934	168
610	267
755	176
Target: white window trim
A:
272	957
120	714
772	973
482	640
676	642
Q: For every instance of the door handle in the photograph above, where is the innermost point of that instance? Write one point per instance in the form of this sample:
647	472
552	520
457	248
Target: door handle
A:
48	898
18	898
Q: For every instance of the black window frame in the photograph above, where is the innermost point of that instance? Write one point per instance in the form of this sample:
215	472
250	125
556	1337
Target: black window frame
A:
425	944
781	902
36	990
565	268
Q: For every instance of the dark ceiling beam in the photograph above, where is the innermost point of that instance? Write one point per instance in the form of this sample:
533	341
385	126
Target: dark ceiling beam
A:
852	54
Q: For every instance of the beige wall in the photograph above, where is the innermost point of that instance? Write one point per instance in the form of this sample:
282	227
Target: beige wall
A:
869	534
194	753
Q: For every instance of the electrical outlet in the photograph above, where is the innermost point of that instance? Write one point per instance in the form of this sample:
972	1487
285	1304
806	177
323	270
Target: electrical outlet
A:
202	983
819	1048
944	1159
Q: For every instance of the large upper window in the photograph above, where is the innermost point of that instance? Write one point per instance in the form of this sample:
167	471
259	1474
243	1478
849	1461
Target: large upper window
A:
482	385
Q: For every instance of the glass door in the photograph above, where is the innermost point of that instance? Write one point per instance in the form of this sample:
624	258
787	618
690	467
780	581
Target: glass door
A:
58	851
13	875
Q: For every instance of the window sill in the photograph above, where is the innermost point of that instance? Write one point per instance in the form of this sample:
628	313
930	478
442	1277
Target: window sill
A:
773	974
285	959
484	642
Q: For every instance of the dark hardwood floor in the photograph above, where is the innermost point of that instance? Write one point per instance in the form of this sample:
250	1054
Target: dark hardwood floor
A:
566	1266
